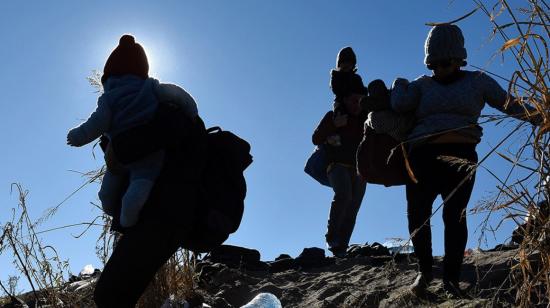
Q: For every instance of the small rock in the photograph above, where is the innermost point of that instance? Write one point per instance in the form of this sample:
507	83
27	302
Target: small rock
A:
312	253
313	257
234	255
282	265
283	256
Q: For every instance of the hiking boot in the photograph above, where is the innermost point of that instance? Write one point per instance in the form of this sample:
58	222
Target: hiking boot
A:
452	288
420	284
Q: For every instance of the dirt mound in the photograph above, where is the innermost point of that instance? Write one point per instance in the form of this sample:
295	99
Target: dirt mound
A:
368	277
360	281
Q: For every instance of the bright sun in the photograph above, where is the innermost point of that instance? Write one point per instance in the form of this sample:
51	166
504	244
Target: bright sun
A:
155	56
152	58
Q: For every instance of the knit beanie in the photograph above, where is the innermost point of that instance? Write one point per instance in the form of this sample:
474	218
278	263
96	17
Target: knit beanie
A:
444	42
127	58
346	54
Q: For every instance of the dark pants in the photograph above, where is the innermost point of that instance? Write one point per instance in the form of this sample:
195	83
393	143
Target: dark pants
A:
439	169
137	257
163	227
349	189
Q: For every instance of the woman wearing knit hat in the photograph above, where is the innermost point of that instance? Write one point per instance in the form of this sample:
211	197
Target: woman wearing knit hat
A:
341	131
447	106
130	99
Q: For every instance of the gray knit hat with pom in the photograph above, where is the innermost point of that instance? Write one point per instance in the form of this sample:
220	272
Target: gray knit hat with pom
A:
444	42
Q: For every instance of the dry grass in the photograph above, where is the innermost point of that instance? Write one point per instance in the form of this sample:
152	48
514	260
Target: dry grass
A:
177	278
525	33
39	264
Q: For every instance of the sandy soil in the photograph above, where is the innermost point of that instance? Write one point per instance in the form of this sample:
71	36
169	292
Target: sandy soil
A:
361	282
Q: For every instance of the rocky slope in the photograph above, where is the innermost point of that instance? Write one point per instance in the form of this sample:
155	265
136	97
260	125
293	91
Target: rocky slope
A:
368	277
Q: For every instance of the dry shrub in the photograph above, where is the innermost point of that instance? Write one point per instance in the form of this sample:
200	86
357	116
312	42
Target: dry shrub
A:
176	279
525	33
39	264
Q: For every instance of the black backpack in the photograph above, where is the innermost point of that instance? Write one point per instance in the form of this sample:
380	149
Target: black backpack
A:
222	190
211	159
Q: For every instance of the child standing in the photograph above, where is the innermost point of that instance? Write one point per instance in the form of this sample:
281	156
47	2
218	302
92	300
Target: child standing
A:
130	99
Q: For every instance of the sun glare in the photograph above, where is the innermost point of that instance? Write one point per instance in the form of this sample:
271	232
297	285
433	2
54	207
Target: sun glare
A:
153	56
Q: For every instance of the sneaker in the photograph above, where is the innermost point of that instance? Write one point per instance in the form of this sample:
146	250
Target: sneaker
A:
452	288
420	284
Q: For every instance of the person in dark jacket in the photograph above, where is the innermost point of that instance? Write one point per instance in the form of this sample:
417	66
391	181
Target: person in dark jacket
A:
163	223
443	142
341	132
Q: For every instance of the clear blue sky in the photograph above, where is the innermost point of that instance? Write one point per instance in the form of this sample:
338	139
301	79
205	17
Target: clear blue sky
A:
257	68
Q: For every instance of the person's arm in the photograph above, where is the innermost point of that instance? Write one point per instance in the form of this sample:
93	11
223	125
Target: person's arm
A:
97	124
499	99
404	96
325	128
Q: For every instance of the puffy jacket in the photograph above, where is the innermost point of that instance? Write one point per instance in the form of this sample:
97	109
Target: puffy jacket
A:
350	137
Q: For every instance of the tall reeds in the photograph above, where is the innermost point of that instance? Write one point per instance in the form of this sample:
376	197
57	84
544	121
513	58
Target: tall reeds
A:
39	264
525	33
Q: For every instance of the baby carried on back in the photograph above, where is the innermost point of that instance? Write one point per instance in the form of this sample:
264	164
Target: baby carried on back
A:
130	99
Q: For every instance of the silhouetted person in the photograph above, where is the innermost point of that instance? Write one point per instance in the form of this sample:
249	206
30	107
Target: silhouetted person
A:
443	142
152	231
341	131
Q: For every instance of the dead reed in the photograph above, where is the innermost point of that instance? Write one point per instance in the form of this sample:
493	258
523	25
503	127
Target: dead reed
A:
525	33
